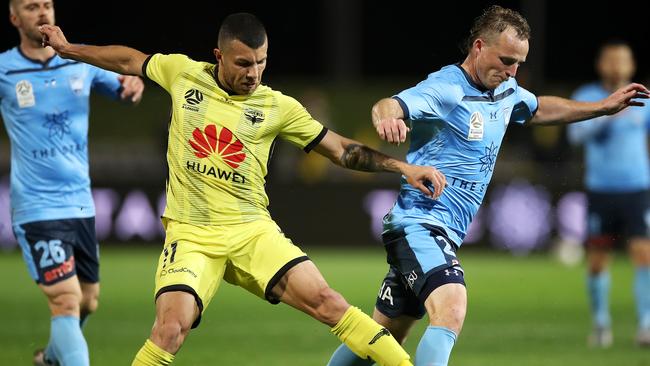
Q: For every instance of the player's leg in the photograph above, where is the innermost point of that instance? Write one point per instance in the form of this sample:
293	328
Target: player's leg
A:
48	250
189	270
638	228
271	267
396	308
89	301
446	306
430	270
602	216
304	288
640	252
87	261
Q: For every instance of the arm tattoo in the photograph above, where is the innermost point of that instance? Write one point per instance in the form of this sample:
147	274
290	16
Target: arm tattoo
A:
363	158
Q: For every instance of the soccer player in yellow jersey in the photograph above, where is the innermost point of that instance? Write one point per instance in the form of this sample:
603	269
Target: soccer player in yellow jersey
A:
216	220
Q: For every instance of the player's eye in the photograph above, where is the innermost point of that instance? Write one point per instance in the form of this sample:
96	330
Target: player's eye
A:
508	61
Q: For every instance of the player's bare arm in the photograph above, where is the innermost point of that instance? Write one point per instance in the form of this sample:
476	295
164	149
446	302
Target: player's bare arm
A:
354	155
120	59
388	119
555	110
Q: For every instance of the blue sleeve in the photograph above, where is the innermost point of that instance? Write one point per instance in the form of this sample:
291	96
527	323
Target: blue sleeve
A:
427	100
106	82
580	132
526	108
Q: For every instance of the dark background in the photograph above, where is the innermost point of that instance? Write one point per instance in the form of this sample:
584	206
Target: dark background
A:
358	39
338	57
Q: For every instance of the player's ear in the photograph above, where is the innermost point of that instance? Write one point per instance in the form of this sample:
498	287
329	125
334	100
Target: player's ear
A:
217	54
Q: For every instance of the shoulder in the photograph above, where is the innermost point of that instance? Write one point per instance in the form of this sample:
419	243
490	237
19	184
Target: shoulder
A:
8	60
445	84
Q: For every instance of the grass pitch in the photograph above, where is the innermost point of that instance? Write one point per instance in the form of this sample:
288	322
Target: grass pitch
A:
522	311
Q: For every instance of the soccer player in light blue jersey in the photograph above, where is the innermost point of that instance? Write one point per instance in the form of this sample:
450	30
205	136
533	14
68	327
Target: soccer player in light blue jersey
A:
458	116
617	180
44	104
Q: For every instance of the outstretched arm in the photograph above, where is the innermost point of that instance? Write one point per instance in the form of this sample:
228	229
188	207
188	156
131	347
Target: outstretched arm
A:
556	110
354	155
121	59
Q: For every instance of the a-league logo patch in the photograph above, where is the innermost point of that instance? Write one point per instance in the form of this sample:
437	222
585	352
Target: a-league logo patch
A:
25	94
475	127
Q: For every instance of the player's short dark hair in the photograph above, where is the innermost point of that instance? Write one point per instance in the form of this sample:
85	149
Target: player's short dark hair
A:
495	20
244	27
611	43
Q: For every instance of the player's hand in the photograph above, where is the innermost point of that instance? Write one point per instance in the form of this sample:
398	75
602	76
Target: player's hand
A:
393	130
428	180
53	37
132	88
624	97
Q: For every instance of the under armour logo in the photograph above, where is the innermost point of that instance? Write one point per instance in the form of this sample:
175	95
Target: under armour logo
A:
448	272
382	332
493	115
411	278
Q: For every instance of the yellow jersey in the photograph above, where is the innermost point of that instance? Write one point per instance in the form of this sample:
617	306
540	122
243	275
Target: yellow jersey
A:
219	144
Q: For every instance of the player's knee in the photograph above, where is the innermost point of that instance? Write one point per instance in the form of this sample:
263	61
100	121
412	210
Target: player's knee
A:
331	306
170	334
90	303
66	303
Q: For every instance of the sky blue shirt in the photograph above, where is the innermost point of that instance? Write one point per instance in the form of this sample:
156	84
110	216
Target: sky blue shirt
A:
45	111
616	151
456	127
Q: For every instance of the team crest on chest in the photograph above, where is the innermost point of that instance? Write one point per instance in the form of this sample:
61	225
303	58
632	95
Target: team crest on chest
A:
25	94
255	116
475	127
76	84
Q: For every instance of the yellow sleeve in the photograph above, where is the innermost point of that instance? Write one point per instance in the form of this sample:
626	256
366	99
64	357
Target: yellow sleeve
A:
299	127
163	69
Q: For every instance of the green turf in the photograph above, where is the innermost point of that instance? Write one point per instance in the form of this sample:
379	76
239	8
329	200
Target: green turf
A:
522	311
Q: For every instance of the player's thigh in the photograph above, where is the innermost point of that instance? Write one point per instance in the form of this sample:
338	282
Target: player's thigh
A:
447	305
192	261
63	297
48	250
638	226
263	259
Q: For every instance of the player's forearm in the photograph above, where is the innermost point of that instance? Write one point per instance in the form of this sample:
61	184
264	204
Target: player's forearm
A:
387	108
120	59
556	111
360	157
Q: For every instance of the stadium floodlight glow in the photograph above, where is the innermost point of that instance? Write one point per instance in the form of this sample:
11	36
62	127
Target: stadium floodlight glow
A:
519	216
377	203
572	217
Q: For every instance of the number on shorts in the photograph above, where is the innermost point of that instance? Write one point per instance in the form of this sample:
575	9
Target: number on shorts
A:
53	252
447	249
166	253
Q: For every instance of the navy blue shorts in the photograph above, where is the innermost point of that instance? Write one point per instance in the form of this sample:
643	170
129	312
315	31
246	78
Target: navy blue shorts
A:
421	258
614	216
55	250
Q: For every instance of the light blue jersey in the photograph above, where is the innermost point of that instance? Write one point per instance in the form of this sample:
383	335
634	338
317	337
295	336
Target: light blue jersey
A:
45	111
616	149
456	127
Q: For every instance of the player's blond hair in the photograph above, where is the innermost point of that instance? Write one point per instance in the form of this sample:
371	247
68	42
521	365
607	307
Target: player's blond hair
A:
495	20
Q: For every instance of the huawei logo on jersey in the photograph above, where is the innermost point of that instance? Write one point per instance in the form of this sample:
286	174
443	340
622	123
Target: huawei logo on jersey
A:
226	145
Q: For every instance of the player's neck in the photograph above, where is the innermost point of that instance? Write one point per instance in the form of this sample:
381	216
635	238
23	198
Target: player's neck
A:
35	50
470	70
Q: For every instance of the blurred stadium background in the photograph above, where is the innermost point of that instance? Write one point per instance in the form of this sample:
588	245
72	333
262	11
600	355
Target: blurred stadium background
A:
338	57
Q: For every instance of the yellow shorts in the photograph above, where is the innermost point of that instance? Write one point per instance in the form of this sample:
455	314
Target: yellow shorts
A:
252	255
